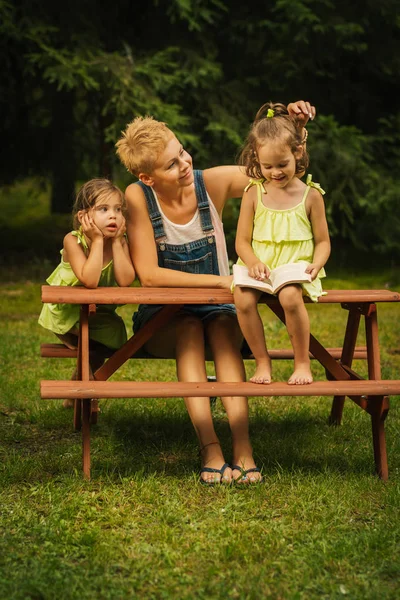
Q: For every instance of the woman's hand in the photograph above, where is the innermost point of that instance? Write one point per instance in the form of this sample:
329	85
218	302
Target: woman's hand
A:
259	271
302	111
225	282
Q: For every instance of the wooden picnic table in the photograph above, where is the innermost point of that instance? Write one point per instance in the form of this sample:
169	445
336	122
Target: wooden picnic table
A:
371	394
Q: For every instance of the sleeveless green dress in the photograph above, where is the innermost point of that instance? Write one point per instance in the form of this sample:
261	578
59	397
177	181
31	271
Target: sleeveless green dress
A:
105	326
285	236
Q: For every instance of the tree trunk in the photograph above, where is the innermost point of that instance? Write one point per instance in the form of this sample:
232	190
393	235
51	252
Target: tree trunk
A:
106	148
63	161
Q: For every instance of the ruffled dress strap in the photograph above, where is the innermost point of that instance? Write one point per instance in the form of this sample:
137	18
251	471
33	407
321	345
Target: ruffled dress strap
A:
260	186
313	184
78	233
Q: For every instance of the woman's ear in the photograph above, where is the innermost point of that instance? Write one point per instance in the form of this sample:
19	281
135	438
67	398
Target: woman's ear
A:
146	179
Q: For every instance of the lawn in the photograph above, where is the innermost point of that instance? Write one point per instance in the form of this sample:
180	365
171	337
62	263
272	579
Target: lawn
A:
321	525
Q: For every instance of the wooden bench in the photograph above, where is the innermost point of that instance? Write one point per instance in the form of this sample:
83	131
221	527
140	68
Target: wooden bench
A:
371	395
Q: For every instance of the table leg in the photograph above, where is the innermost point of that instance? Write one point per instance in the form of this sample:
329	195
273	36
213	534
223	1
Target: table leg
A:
130	347
378	406
320	353
349	344
84	375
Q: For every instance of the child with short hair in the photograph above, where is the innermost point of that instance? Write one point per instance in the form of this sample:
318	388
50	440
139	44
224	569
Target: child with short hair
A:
94	254
282	220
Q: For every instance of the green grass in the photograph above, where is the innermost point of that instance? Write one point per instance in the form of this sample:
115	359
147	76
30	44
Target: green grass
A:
320	526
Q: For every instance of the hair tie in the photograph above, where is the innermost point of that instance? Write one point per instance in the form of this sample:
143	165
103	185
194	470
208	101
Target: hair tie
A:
270	113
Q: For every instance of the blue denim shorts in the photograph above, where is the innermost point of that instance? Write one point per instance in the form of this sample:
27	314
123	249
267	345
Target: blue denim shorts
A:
205	312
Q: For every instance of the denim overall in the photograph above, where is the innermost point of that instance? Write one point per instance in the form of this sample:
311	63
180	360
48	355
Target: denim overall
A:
199	256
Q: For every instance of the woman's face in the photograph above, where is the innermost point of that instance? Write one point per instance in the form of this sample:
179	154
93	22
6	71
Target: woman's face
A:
174	166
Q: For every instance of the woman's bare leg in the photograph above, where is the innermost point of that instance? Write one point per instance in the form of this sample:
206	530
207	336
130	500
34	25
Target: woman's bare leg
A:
253	330
298	327
225	339
190	363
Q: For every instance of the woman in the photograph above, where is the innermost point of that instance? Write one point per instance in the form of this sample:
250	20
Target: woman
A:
176	239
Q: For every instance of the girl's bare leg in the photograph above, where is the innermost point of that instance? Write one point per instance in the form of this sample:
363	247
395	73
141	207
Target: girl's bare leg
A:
253	330
225	339
298	327
190	363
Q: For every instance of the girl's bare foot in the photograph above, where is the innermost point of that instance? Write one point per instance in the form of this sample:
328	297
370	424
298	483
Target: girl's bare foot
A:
301	376
263	373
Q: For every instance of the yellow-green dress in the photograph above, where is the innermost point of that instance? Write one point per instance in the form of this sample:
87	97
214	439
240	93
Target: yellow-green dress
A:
105	326
285	236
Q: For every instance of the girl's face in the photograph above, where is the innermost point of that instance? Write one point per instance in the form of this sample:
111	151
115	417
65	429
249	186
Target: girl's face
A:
173	167
277	163
107	214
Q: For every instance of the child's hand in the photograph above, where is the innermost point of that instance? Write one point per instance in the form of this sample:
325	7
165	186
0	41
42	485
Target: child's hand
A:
313	269
259	271
89	227
120	231
302	111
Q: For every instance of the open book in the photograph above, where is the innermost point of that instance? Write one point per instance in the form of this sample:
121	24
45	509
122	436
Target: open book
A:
278	278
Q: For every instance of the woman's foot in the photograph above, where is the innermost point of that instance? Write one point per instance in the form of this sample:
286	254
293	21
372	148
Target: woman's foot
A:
246	476
243	465
214	469
301	376
263	373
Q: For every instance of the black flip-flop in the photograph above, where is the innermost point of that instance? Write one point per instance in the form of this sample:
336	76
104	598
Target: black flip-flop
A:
241	480
220	471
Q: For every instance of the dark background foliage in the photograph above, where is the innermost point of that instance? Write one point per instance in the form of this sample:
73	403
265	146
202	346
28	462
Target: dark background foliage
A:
73	74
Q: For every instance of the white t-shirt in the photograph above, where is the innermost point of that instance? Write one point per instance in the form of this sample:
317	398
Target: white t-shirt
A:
191	231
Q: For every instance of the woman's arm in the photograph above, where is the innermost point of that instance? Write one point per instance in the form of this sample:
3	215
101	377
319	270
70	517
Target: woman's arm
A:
319	226
144	252
244	236
225	182
124	271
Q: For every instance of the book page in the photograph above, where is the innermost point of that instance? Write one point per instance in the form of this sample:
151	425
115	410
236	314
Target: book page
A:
242	278
290	273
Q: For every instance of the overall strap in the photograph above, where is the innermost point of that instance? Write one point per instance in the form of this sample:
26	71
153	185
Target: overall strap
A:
154	213
202	202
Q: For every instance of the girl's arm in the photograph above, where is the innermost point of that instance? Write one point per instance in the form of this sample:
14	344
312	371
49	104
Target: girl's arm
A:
124	271
244	235
319	226
87	269
143	251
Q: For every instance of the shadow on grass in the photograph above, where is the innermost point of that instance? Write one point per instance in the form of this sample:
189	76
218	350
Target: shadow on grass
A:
145	439
167	444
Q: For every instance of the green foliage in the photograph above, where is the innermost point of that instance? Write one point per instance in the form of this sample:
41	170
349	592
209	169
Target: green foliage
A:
204	67
361	195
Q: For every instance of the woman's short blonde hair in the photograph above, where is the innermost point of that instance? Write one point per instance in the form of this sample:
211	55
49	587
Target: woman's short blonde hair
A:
142	142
